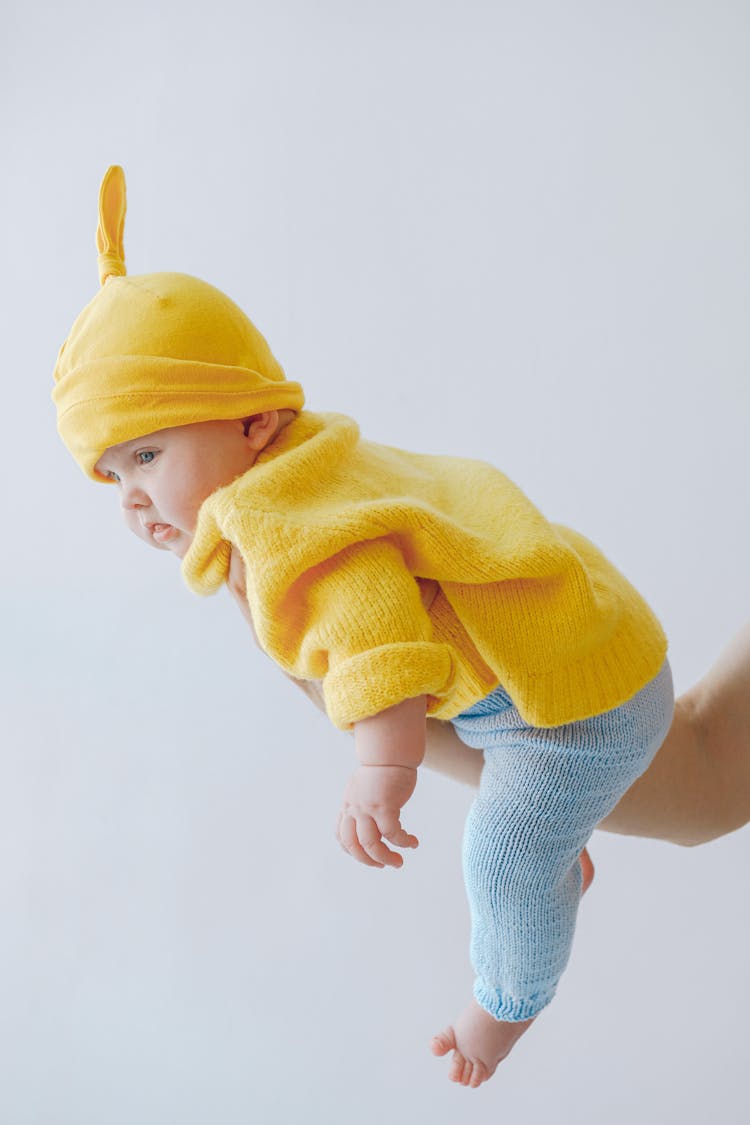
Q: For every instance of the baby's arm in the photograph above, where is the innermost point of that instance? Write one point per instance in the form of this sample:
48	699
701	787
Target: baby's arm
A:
390	747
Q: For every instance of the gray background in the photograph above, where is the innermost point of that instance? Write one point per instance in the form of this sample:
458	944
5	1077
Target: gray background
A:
516	231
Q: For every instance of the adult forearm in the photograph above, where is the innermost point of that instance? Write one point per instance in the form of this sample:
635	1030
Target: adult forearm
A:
681	798
447	754
697	787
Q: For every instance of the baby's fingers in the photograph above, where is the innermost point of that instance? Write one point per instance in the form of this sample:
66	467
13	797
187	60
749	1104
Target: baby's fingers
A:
390	828
371	839
347	834
401	838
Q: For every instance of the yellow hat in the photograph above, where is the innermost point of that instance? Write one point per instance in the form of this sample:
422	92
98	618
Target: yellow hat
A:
156	350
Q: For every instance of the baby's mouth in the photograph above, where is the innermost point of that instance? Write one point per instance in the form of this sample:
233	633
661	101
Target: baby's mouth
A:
163	532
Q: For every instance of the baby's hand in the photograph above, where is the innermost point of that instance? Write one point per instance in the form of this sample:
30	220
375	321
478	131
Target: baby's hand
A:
370	813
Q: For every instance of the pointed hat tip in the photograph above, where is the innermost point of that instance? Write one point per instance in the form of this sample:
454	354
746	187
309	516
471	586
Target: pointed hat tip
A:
109	234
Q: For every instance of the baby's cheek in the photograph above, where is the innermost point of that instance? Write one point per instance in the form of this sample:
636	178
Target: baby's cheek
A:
184	511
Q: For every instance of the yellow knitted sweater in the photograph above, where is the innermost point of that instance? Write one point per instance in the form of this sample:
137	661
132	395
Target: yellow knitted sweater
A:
388	574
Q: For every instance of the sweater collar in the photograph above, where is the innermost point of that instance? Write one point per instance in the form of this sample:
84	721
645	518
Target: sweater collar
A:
305	453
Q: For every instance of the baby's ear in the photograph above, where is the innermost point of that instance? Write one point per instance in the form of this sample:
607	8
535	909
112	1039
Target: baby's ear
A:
261	428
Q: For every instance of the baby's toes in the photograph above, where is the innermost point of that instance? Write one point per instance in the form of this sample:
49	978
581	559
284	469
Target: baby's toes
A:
444	1042
479	1074
460	1068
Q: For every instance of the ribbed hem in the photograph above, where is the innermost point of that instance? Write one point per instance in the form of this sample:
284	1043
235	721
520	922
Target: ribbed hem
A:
508	1008
602	681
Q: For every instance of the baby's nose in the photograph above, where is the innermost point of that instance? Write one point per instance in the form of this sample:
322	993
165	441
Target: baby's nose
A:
134	498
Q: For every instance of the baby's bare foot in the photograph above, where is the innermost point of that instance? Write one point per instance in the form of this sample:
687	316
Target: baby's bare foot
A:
479	1042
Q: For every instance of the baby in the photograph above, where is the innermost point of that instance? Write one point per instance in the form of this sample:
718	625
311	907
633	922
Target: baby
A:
407	585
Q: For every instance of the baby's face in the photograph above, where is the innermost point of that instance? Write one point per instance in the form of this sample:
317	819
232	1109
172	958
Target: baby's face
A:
165	476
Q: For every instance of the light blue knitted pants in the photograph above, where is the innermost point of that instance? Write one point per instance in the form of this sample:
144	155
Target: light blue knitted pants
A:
542	793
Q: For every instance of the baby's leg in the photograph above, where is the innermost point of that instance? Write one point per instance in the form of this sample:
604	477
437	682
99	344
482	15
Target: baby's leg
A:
543	791
477	1035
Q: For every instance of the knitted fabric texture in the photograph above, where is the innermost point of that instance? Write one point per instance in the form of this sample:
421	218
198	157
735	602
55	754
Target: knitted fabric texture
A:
156	350
338	535
541	795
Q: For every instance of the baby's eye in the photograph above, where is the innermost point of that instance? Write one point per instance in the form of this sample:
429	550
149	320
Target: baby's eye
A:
145	457
110	475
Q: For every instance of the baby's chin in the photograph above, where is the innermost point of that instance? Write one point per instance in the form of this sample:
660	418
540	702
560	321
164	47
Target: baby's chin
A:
177	545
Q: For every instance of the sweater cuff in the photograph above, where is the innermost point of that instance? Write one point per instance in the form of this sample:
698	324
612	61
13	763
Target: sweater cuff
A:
511	1009
371	681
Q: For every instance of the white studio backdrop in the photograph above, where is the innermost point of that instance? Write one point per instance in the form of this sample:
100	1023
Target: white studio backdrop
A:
516	231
